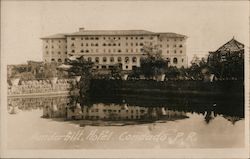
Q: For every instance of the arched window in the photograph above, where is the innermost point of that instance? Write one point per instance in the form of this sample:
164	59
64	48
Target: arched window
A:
112	59
87	50
59	60
89	59
53	60
97	59
104	59
126	59
104	44
134	59
119	59
82	51
175	61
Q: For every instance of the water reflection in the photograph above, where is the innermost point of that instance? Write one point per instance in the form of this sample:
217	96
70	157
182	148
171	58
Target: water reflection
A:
130	109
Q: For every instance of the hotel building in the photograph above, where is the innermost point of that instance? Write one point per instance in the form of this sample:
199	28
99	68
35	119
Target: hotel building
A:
108	47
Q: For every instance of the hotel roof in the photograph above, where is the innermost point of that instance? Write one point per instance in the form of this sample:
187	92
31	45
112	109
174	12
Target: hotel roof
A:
112	33
54	36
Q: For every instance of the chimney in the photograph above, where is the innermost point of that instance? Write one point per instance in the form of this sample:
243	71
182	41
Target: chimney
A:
81	29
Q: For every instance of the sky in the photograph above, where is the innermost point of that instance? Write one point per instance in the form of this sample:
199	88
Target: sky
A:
207	24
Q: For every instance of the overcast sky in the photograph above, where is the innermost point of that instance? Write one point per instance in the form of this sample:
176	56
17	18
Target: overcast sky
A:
207	24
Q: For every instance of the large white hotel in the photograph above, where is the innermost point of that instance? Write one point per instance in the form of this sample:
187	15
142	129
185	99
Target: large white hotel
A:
108	47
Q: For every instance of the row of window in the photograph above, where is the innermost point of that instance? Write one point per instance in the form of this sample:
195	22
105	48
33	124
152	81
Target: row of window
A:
113	44
119	59
112	59
112	38
59	52
175	60
107	51
174	51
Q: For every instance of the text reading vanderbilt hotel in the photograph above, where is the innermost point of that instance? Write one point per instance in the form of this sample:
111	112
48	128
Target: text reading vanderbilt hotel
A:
108	47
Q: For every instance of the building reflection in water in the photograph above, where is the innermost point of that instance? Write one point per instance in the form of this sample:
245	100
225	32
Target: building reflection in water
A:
57	107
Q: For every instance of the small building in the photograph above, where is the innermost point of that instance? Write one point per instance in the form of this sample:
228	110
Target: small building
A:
227	62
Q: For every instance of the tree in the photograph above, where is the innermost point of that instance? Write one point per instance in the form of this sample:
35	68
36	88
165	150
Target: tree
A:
197	68
83	68
152	63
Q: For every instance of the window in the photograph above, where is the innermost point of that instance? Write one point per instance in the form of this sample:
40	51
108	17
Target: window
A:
59	53
126	66
72	51
182	60
151	38
109	50
168	51
97	38
119	44
92	44
112	59
96	44
52	59
109	44
97	59
167	45
174	39
119	50
104	50
175	61
89	59
87	50
180	45
180	51
134	59
174	45
72	38
126	44
81	38
141	38
47	52
82	51
96	50
46	46
126	38
168	59
59	46
119	59
59	60
104	59
72	44
132	50
126	59
131	44
52	46
86	38
81	44
136	44
91	38
52	41
104	38
126	50
131	38
59	41
175	51
114	44
66	52
87	44
141	44
104	44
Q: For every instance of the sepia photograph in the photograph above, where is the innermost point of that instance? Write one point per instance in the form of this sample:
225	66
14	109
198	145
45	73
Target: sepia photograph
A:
124	79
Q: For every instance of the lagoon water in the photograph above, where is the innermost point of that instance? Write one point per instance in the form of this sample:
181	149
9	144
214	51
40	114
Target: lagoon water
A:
126	124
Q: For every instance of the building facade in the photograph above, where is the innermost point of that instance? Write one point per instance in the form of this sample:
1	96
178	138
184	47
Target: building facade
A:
108	47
